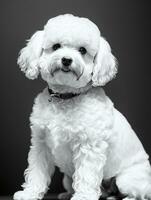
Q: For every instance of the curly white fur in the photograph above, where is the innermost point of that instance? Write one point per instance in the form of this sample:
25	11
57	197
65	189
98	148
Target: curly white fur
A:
85	136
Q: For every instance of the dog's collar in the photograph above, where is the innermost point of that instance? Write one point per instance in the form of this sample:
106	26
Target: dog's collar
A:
63	96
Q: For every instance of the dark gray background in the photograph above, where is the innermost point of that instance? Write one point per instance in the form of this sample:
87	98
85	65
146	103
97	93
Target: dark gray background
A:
125	24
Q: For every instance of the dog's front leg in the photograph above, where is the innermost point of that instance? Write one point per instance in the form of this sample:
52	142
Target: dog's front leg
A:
40	168
89	160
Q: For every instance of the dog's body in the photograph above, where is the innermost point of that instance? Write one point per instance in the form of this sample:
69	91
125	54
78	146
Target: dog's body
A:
85	136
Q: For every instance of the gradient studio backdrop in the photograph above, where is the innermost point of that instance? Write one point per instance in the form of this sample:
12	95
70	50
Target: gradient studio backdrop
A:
124	23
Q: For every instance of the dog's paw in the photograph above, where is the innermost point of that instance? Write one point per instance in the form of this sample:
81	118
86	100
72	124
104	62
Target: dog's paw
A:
64	195
112	198
84	197
24	195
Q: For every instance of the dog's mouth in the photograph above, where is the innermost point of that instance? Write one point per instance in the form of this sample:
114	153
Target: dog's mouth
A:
77	73
65	70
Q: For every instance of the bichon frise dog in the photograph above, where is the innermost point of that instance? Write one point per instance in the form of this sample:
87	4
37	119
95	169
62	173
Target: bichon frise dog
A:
74	124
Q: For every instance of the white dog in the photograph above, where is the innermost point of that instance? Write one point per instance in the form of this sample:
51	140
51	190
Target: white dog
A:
74	124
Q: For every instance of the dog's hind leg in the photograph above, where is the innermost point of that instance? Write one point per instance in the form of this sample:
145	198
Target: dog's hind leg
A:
135	181
67	183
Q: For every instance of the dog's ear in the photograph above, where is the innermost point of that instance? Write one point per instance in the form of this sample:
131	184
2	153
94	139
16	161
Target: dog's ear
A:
28	59
105	64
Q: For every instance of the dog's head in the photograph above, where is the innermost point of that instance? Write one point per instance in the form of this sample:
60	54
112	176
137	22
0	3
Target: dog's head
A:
69	52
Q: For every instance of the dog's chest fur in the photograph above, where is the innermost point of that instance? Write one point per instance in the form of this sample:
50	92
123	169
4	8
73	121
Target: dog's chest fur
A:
65	121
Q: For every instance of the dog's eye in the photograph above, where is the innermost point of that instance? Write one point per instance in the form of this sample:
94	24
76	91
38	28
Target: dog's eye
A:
82	50
56	46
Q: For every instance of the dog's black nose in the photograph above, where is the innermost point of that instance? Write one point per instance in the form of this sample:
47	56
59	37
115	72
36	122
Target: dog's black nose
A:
66	61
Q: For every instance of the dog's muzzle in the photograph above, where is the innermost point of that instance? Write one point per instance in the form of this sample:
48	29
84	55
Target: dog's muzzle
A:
67	67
